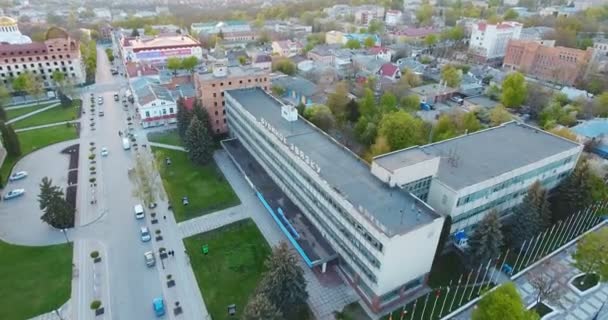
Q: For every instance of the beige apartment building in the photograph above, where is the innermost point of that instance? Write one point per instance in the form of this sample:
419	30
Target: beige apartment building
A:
210	88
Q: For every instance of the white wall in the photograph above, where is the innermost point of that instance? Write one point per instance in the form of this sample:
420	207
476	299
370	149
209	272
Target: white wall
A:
406	174
441	197
408	256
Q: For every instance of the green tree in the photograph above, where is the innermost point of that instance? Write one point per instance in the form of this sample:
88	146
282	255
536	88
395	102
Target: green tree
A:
352	44
411	103
149	31
600	105
510	15
58	213
401	129
513	90
503	303
20	83
320	116
337	101
499	115
284	65
189	63
284	283
198	142
424	15
444	129
201	113
367	104
184	117
146	179
532	216
431	40
375	26
10	140
174	64
352	111
3	115
487	240
5	95
388	102
260	308
135	33
369	42
574	193
59	78
451	75
242	60
591	255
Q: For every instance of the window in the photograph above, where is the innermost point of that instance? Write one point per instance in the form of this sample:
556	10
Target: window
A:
217	122
216	112
221	84
224	120
147	114
170	110
222	94
214	94
215	104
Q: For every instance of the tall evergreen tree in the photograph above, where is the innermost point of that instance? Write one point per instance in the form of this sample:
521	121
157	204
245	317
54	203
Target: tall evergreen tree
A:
2	113
352	111
532	216
57	211
201	113
574	193
487	239
184	117
284	282
260	308
10	140
198	142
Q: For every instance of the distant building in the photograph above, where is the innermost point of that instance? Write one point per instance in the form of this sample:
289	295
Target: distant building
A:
393	17
390	71
595	130
262	61
297	90
366	13
287	27
10	34
535	33
210	88
158	49
408	34
287	48
58	52
433	93
544	61
466	177
156	105
489	41
225	27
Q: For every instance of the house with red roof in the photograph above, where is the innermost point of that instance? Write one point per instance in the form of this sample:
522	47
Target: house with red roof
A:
390	71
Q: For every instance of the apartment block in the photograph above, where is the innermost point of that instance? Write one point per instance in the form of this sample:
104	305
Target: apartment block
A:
211	86
489	41
543	60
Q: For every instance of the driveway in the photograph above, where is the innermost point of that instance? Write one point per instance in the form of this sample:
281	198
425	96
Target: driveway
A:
20	217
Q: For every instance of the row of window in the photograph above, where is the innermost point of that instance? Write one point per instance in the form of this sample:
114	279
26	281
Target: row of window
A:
419	188
33	65
38	58
11	75
507	183
236	123
241	82
497	202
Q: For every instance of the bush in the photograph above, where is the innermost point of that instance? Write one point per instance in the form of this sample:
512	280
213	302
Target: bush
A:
157	231
94	254
92	168
91	156
92	180
95	304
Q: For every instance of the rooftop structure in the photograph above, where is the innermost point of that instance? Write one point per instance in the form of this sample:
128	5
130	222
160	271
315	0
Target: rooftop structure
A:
158	49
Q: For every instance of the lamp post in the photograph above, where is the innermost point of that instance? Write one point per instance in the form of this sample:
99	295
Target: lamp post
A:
65	234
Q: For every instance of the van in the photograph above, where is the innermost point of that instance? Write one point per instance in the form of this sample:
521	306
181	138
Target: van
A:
126	144
139	211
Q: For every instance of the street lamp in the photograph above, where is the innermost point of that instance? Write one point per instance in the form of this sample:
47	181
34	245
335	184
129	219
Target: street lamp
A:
65	234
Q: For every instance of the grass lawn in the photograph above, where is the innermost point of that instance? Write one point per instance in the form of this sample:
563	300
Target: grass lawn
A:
36	139
166	137
233	267
10	114
34	280
205	186
57	114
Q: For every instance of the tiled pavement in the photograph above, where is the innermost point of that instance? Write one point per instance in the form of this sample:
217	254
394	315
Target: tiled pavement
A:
324	299
570	305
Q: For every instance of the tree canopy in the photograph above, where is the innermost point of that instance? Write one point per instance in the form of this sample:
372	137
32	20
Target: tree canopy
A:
189	63
503	303
513	90
401	129
57	211
352	44
321	116
487	240
451	75
284	65
532	216
198	142
591	255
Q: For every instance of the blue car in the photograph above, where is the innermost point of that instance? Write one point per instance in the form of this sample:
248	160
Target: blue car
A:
159	307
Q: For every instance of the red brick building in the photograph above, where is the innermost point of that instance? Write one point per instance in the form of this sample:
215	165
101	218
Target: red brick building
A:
542	60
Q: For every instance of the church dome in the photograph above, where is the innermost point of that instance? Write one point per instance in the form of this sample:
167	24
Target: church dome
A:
56	33
7	21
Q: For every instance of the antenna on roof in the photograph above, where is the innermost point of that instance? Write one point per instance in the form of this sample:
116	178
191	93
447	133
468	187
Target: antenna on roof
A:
453	158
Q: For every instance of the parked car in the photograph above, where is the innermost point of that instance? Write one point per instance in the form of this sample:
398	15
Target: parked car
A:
18	175
14	194
101	113
139	211
145	234
159	307
150	259
104	152
457	99
100	100
116	98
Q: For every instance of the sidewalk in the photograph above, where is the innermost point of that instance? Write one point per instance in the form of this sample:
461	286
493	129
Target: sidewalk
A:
46	125
166	146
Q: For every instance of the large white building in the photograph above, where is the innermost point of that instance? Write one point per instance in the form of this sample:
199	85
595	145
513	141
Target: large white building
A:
157	49
10	34
489	41
467	176
222	26
393	17
155	103
384	238
59	52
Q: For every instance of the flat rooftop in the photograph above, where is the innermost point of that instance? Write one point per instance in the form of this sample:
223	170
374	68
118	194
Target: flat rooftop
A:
232	72
394	210
164	41
469	159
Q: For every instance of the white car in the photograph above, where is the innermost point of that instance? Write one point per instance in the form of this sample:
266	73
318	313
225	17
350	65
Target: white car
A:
100	100
139	211
104	152
150	259
18	175
145	234
14	194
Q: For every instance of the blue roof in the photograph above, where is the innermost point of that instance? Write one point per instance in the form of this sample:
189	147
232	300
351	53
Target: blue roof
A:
362	36
592	128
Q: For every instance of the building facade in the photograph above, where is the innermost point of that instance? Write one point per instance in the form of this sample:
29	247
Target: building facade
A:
211	86
385	238
287	48
542	60
59	52
466	177
212	28
489	41
155	103
393	17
